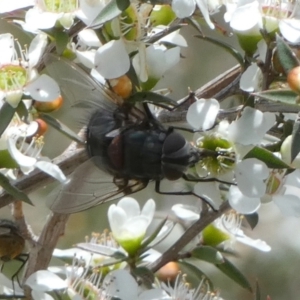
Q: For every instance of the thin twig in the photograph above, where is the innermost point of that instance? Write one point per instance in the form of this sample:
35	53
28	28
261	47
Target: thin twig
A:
18	215
172	254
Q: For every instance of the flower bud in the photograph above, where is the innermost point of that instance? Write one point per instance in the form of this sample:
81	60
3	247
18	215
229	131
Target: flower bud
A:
42	127
293	79
50	106
162	15
122	86
168	272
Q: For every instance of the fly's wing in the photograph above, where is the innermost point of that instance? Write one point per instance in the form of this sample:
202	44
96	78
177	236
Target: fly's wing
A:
78	87
87	187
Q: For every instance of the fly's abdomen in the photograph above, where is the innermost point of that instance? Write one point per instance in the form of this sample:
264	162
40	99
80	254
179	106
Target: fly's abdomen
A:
137	153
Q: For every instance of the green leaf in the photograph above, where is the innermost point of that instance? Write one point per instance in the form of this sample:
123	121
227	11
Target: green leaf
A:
295	149
284	96
153	98
208	254
13	191
267	157
227	47
212	236
61	39
6	161
61	127
6	114
286	56
193	274
252	219
113	9
149	239
232	272
22	110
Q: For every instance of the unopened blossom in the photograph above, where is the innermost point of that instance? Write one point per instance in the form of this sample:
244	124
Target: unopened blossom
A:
18	75
128	223
152	62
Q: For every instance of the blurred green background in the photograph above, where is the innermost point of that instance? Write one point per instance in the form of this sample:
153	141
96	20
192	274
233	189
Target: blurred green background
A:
277	272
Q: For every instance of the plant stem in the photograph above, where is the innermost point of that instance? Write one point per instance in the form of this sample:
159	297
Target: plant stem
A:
172	254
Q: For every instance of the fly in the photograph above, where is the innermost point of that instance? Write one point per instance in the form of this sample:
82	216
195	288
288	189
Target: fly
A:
128	146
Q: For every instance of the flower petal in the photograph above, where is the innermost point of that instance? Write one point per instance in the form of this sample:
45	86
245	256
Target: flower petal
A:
258	244
51	169
210	192
7	48
25	162
148	210
117	218
112	60
130	206
183	8
250	176
8	6
185	212
251	127
44	89
241	203
121	284
37	295
202	113
36	48
290	29
289	203
42	20
45	281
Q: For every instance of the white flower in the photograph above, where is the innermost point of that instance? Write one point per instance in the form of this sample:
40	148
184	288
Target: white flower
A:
17	73
185	8
27	155
129	224
225	145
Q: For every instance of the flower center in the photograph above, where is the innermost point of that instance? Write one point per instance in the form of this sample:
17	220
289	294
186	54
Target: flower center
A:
12	77
224	158
61	6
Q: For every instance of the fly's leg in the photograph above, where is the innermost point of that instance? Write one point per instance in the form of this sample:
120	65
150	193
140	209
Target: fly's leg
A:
157	190
23	257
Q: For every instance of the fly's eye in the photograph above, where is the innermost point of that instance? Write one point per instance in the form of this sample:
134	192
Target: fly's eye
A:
173	143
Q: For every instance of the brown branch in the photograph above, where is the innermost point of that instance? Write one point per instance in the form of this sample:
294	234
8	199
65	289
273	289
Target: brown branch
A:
220	87
41	253
172	254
